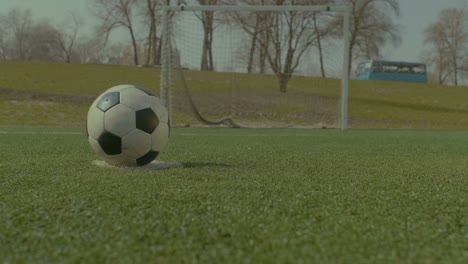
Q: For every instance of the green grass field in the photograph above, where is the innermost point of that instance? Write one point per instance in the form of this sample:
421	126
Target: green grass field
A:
244	195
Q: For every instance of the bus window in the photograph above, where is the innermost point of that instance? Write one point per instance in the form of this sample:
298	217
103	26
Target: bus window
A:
392	71
363	68
421	69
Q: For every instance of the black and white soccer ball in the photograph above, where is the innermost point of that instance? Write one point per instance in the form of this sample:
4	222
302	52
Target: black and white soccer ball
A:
128	126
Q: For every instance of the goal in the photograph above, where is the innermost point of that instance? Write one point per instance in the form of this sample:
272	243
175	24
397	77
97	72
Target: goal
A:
256	66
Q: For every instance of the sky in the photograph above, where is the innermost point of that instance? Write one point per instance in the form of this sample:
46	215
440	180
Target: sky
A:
415	16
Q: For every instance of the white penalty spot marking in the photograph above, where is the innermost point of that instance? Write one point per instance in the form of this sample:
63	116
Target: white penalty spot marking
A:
155	165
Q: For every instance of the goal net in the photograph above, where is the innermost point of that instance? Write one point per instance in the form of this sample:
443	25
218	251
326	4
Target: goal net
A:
255	66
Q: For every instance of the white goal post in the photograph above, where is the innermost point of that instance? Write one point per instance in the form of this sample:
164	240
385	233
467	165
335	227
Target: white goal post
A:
344	10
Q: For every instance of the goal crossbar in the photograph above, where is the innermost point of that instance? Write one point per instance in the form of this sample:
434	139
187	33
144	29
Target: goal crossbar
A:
345	10
266	8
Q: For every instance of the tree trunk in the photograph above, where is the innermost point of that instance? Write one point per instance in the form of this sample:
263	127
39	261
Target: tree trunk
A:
210	50
441	81
135	46
150	45
263	52
352	39
252	52
350	59
207	54
204	58
319	47
283	82
252	47
455	70
151	50
69	57
262	61
155	45
322	68
157	59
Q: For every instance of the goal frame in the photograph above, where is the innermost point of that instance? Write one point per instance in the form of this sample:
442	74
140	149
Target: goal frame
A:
345	10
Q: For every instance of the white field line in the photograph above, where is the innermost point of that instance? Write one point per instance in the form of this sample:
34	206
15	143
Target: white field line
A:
182	134
245	135
40	133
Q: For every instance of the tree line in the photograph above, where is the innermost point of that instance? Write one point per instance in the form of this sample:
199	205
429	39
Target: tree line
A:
447	41
373	26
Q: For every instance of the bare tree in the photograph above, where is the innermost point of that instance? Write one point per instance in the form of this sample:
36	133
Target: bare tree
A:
154	48
149	12
4	39
66	36
250	23
43	45
114	14
372	27
253	42
436	58
207	19
281	38
325	27
24	39
20	23
448	37
263	42
91	49
289	36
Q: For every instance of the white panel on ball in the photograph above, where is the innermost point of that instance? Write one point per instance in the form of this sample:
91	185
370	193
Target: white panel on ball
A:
120	120
160	110
136	144
160	137
118	88
95	122
135	98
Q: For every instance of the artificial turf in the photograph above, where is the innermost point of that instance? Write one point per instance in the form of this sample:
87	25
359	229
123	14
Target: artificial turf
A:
243	195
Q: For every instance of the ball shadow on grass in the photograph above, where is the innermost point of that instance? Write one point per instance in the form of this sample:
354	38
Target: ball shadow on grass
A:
159	165
155	165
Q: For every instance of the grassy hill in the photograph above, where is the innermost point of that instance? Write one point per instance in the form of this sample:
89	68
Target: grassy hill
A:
39	93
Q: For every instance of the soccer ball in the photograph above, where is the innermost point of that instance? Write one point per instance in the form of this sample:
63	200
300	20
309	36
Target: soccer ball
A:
127	126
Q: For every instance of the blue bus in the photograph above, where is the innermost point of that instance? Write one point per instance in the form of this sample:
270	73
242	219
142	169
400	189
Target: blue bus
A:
392	71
